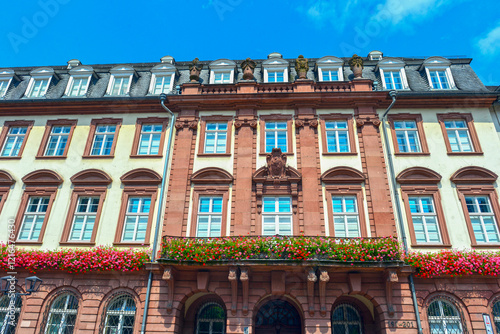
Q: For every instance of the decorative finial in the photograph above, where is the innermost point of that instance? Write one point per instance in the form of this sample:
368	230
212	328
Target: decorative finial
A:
194	70
356	63
302	66
248	66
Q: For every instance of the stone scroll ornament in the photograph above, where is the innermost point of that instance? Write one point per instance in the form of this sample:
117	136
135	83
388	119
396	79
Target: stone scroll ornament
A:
194	70
302	66
356	64
248	66
276	163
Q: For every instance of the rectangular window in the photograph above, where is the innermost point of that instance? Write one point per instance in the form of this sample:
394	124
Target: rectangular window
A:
209	222
276	136
149	142
275	76
345	216
439	80
337	136
407	136
84	218
482	219
392	80
330	75
4	84
215	137
424	219
103	139
136	219
277	216
33	218
120	85
14	141
58	139
162	84
222	77
458	135
39	87
78	86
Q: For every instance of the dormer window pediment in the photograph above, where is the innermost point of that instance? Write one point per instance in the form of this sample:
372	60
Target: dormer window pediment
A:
438	73
275	70
162	79
121	80
393	74
222	71
39	82
330	69
79	81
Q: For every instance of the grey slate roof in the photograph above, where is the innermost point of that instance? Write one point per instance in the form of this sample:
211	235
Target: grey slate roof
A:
465	78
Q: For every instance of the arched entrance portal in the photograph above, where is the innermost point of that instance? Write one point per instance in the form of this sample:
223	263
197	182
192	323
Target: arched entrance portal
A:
278	317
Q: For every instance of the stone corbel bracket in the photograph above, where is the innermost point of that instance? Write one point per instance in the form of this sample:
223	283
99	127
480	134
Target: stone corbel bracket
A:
323	279
391	278
238	123
244	278
233	280
311	279
300	122
168	276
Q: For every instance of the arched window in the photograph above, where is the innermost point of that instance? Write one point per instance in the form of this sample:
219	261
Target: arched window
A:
346	320
120	315
6	322
496	315
444	318
211	319
62	315
277	315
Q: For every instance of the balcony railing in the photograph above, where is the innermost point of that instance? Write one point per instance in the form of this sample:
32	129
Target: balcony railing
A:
280	249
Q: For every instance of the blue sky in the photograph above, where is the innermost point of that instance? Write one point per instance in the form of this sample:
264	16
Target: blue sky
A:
51	32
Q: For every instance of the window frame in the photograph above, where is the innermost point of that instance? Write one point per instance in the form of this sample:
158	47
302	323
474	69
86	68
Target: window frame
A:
224	66
162	70
44	73
350	128
91	137
276	118
220	191
104	311
203	126
137	136
48	129
8	76
330	63
346	190
276	214
439	64
417	118
275	64
64	311
80	72
6	325
6	182
467	117
120	72
5	132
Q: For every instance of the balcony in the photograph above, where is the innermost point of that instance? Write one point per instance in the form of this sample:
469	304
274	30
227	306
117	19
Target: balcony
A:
281	250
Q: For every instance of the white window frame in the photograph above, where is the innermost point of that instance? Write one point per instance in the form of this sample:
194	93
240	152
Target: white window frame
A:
423	216
18	142
36	214
456	134
44	73
481	219
335	133
275	65
346	214
105	137
330	63
137	216
64	312
439	64
150	134
443	319
6	77
162	71
276	214
407	139
211	214
276	131
120	72
216	139
59	136
6	311
224	66
80	72
86	214
393	65
124	298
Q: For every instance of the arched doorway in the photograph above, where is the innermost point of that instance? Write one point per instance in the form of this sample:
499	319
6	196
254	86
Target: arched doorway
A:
278	317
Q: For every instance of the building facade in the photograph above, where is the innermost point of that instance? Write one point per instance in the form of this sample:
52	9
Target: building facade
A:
259	148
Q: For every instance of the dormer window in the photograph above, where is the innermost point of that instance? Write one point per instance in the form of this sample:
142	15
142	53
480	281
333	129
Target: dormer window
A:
439	73
39	82
162	80
375	55
330	69
120	81
275	68
222	71
5	80
392	73
79	81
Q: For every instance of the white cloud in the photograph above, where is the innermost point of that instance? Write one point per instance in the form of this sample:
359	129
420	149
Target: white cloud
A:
490	44
396	11
322	12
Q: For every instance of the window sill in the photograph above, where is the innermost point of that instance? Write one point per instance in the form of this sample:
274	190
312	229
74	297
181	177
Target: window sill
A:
130	244
266	153
488	245
340	153
210	155
10	158
402	154
30	243
431	245
76	243
53	157
465	153
98	156
145	156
